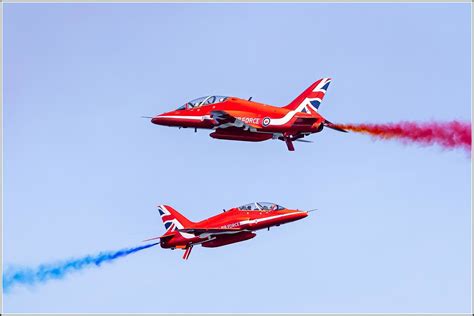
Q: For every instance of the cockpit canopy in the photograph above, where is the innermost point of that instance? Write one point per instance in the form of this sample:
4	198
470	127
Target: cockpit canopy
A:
211	99
261	206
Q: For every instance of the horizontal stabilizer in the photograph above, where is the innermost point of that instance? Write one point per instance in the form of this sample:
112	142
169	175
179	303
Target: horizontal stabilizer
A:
165	236
154	238
333	126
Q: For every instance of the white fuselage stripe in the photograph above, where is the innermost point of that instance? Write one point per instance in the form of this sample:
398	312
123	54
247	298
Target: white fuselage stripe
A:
199	118
264	219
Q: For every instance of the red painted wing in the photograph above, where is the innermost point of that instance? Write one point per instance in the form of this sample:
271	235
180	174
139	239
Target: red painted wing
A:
225	119
198	231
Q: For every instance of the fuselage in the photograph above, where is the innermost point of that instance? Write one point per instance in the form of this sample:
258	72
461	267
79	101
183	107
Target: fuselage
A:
233	118
265	118
237	224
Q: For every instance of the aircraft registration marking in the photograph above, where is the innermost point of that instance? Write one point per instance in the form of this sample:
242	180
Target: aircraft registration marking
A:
233	225
251	120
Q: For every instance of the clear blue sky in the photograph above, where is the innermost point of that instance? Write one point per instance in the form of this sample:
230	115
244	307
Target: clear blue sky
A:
83	172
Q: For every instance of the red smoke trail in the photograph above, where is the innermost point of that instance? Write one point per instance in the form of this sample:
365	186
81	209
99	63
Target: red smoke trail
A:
449	135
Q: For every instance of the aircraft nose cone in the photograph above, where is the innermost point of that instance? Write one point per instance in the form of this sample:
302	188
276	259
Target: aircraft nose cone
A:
297	215
159	119
294	216
301	215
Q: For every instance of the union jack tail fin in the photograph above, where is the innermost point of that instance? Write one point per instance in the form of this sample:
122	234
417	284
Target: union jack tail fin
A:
172	219
311	98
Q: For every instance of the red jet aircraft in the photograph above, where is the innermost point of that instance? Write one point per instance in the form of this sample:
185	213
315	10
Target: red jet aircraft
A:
238	119
234	225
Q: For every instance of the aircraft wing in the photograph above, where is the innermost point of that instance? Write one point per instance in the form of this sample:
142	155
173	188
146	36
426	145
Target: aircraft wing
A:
225	119
216	231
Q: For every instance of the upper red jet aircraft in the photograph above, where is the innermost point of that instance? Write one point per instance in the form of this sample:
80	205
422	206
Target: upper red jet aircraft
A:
238	119
234	225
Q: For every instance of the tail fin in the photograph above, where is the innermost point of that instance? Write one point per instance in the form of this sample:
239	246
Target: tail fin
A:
172	219
311	98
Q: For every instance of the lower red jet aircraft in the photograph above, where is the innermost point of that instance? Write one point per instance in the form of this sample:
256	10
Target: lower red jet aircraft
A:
238	119
234	225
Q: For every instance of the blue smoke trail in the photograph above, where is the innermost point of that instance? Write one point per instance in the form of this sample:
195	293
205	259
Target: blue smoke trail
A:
46	272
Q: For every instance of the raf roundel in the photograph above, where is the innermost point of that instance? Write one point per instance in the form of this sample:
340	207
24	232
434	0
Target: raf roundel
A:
266	121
